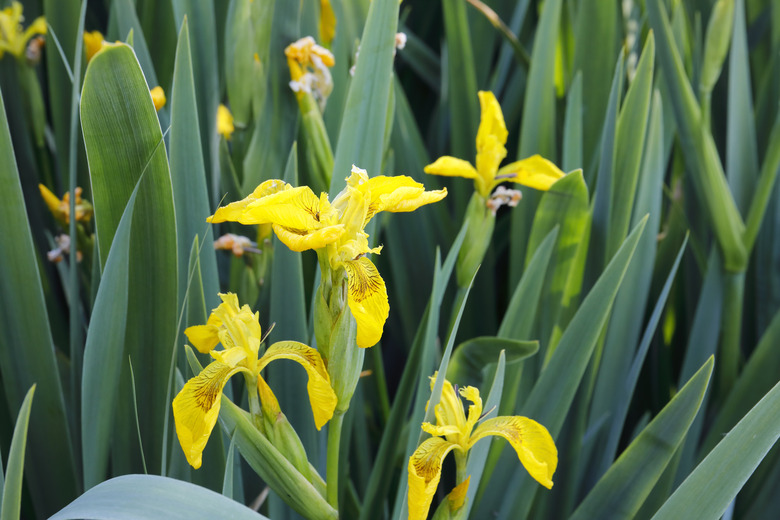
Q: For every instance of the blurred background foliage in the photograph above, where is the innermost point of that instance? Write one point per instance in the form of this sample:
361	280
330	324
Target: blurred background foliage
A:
659	250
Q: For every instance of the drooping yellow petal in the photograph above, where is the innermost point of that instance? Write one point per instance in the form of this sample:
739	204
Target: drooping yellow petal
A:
196	409
233	211
225	126
93	42
532	442
397	194
452	167
203	337
367	300
424	475
321	395
535	172
302	241
158	97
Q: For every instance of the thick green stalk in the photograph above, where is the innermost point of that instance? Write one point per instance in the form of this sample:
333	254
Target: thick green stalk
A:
733	296
332	469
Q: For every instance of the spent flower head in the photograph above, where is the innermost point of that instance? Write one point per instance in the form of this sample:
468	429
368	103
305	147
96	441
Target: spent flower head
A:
309	65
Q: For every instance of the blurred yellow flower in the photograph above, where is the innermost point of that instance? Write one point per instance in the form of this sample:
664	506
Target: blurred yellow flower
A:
196	407
225	126
302	221
309	69
93	42
12	38
535	171
158	97
454	431
61	208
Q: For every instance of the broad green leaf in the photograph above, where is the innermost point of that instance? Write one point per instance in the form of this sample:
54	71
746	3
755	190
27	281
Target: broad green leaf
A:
205	67
475	355
629	145
565	206
621	491
103	355
188	177
115	105
710	488
597	43
27	353
362	134
461	79
127	22
572	127
11	502
741	147
150	497
553	393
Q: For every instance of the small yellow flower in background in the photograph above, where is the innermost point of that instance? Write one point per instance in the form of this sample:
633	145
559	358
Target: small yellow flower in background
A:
236	243
302	221
327	23
61	208
309	66
454	431
535	171
225	126
158	97
13	39
196	407
93	42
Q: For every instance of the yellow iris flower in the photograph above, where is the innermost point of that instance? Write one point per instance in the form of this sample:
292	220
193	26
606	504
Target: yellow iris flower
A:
534	172
302	221
61	208
327	22
12	38
158	97
93	42
454	431
196	407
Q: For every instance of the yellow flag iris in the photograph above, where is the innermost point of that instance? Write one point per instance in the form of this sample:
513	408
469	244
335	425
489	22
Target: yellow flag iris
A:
13	39
60	208
534	172
302	221
196	407
455	431
93	43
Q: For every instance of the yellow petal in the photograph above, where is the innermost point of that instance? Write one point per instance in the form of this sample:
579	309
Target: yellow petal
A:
225	126
397	194
424	475
296	208
475	409
302	241
233	211
327	22
93	42
535	172
158	97
51	200
449	411
452	167
440	431
367	300
196	409
492	128
458	494
531	441
203	337
321	395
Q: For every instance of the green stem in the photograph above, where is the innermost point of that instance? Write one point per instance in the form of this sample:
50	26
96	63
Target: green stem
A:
254	402
460	467
730	354
332	469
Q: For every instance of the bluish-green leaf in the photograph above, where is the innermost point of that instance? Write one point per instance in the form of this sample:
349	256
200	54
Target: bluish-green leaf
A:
11	502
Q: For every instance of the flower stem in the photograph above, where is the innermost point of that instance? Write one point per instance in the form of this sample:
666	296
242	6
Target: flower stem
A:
733	297
460	467
332	470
